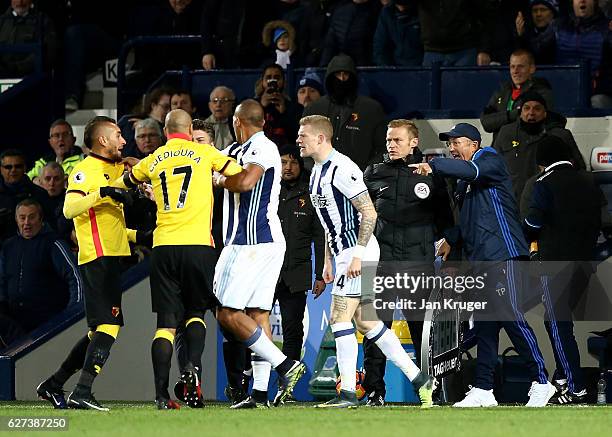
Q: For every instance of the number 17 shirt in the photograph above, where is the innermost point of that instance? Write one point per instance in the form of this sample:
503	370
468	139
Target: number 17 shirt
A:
181	174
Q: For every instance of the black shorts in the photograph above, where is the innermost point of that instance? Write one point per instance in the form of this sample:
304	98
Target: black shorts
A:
181	282
102	291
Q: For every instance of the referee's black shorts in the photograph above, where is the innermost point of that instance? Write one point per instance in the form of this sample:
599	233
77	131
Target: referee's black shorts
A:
181	283
102	291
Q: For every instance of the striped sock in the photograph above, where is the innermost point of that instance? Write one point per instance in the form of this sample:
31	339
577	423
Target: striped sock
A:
261	373
346	353
390	345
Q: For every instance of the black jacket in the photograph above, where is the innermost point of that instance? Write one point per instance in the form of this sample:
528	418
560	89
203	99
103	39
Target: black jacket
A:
301	228
359	122
564	214
38	277
518	145
452	25
413	211
501	109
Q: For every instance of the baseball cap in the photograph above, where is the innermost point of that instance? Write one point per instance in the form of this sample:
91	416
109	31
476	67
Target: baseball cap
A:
461	130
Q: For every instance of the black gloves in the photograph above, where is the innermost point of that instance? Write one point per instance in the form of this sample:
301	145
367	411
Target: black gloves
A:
144	238
117	194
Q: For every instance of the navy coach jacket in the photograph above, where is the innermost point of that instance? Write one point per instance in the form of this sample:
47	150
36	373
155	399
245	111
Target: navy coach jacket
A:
489	226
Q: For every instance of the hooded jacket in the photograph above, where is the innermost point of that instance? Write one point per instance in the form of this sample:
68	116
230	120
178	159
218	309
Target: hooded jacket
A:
267	38
38	277
359	122
517	144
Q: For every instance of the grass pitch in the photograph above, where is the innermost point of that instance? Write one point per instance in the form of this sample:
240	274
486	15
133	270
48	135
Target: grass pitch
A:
143	420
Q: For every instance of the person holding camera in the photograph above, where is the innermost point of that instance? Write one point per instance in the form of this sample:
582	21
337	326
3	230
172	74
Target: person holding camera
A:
279	110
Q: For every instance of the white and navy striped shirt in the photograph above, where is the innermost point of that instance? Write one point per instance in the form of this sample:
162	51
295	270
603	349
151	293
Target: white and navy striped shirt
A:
252	217
333	184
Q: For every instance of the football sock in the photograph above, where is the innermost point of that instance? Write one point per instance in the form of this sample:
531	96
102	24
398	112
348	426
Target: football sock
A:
346	353
233	357
261	373
73	362
161	355
195	337
97	353
180	346
259	343
390	345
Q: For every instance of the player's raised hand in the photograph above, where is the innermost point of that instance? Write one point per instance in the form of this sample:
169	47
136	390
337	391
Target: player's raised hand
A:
354	268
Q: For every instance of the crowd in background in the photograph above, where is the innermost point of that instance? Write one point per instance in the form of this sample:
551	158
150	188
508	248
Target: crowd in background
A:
79	36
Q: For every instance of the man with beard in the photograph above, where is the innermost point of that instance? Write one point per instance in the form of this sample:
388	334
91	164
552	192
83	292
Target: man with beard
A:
358	121
97	210
301	228
412	212
517	141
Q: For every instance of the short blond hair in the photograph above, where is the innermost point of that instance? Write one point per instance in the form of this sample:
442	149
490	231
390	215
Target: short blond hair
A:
320	124
406	124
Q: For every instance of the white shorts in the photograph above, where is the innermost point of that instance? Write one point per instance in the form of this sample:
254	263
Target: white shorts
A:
342	285
246	275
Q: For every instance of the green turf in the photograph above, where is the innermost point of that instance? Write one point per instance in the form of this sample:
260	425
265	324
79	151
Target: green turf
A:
142	420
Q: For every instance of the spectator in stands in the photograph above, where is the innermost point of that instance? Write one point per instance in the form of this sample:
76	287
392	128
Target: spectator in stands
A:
94	34
457	32
312	28
165	18
38	273
502	107
586	35
279	110
221	105
15	186
23	23
148	138
278	37
203	132
156	106
231	32
517	141
182	99
537	34
350	32
309	88
53	180
397	40
65	152
358	121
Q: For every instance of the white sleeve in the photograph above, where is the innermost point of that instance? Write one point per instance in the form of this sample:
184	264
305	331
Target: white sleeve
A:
349	180
260	154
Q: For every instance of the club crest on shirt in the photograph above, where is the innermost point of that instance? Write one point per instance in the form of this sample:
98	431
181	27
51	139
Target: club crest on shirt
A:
319	201
115	311
421	190
302	202
79	177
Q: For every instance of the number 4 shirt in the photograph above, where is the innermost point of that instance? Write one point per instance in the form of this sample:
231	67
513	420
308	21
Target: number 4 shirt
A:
181	175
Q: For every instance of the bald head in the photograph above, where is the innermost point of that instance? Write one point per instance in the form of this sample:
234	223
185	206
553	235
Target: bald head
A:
251	113
178	121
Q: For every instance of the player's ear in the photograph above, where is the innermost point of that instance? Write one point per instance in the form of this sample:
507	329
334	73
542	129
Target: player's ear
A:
414	142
